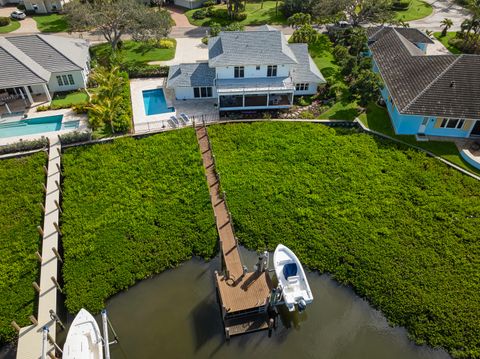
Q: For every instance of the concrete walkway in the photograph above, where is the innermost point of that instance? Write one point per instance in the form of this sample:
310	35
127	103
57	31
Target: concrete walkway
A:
441	9
30	341
178	15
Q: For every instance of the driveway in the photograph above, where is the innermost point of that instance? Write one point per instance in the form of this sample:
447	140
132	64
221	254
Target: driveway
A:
188	50
27	26
441	9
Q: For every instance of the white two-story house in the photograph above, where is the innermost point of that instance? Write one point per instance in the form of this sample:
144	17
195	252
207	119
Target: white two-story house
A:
248	70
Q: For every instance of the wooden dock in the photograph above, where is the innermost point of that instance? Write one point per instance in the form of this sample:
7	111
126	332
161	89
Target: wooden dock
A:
244	296
30	341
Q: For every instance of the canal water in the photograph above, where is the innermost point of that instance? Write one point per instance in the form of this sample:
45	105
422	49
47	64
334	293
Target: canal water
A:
176	315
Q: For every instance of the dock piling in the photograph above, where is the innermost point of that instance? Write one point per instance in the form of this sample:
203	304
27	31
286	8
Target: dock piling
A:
54	280
36	287
33	320
55	317
57	254
15	326
40	230
39	256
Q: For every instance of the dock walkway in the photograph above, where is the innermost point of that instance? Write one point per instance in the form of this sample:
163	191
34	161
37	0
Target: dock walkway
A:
30	341
244	296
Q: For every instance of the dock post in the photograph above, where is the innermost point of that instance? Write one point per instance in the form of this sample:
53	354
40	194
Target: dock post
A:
54	280
58	186
58	206
227	333
33	320
59	168
36	287
42	207
39	256
44	187
45	169
55	317
15	326
40	230
57	228
54	250
270	327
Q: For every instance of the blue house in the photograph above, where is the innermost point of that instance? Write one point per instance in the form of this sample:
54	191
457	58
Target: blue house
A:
426	95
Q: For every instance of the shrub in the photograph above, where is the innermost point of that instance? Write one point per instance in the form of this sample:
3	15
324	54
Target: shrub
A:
74	137
4	21
209	3
210	12
140	71
21	7
131	208
80	108
215	29
240	16
43	108
205	40
307	115
400	5
200	14
23	146
166	44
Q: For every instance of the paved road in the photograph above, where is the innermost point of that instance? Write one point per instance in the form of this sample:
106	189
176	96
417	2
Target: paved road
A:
441	9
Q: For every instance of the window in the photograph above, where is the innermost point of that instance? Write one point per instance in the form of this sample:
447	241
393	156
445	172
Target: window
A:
199	92
65	80
258	67
452	123
272	70
59	80
239	71
301	87
70	79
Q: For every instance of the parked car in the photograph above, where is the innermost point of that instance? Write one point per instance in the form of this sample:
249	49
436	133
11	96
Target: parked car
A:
18	15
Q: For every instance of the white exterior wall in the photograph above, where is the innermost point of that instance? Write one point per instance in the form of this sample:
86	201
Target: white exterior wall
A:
251	71
186	93
312	90
43	6
189	4
78	77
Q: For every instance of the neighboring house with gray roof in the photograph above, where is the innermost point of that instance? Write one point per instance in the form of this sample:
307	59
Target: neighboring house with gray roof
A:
249	70
42	64
427	95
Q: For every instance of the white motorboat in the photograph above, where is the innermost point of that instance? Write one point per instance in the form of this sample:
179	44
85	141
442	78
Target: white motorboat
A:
291	279
84	340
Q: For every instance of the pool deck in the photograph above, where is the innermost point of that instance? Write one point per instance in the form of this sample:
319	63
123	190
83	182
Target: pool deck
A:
141	121
68	116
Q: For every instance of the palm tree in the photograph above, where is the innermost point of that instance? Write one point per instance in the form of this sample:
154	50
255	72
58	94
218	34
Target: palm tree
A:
447	24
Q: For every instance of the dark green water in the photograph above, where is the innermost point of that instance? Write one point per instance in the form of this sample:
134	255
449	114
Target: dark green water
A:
175	315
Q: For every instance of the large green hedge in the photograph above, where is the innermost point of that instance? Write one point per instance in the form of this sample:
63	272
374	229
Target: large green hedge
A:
20	194
132	208
400	227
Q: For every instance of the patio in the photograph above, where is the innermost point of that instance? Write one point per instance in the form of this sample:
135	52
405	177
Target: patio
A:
15	104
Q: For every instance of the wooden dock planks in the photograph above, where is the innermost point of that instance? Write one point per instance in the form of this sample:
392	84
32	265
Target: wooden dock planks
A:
243	296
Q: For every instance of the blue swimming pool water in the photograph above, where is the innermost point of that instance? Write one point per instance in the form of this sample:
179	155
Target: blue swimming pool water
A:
33	126
155	103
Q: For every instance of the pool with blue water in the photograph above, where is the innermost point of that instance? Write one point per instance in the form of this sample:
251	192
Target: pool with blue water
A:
32	126
155	102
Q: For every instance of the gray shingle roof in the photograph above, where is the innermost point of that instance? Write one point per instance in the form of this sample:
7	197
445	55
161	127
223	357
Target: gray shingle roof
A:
47	56
14	73
411	34
76	50
190	75
422	85
305	70
241	48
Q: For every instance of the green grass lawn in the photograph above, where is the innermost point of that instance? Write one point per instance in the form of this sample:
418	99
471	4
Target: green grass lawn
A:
418	9
132	208
397	225
68	99
14	25
136	52
51	23
343	108
20	192
444	41
376	118
256	15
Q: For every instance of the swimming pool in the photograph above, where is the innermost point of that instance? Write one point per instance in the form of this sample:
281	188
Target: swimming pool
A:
155	103
35	125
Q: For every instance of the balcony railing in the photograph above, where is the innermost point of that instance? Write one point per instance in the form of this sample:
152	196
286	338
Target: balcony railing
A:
244	85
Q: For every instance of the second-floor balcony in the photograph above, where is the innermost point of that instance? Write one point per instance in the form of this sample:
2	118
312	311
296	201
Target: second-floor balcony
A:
254	85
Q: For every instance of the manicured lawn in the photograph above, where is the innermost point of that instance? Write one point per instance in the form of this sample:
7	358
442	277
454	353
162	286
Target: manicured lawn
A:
256	15
68	99
398	226
343	108
51	23
132	208
14	25
444	41
418	9
376	118
136	52
20	192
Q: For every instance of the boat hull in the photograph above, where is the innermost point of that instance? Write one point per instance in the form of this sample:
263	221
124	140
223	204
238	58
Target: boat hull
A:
292	280
84	340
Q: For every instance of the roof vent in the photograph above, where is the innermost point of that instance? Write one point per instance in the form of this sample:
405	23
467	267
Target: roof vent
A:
452	84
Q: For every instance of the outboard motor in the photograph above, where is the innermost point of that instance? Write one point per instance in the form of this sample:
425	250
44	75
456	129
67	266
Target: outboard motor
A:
301	305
